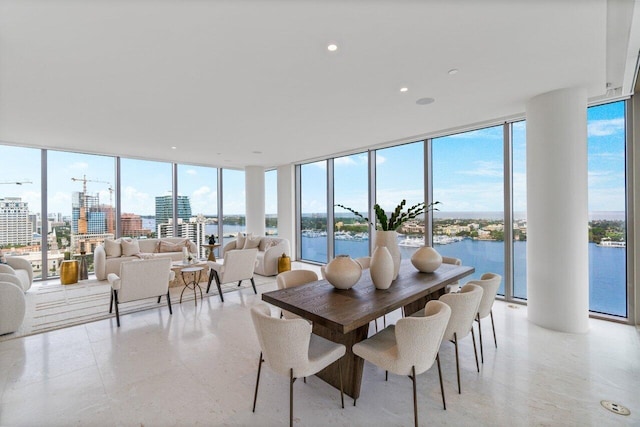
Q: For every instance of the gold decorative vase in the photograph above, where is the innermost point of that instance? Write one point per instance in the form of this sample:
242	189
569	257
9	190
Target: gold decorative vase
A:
69	272
284	263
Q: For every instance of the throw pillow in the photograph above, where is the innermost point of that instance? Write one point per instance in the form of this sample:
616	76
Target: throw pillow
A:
130	248
252	242
112	248
164	246
266	245
240	239
2	259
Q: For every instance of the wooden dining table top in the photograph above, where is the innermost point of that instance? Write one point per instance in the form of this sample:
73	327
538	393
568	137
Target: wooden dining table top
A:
344	311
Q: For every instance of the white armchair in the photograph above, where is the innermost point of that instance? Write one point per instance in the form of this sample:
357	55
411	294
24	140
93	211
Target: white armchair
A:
12	303
21	268
237	265
139	280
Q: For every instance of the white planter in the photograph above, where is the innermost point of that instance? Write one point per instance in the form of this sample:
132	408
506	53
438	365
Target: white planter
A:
343	272
381	268
390	240
426	259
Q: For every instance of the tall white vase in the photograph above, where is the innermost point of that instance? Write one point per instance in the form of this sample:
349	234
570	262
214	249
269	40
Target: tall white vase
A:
390	240
381	268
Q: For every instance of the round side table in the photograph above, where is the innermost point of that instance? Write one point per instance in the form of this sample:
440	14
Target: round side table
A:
192	284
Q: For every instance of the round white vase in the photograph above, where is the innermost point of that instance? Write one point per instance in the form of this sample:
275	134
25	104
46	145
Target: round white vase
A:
426	259
343	272
389	239
381	268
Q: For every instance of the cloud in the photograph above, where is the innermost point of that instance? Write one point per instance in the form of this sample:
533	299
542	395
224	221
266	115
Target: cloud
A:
484	168
79	166
605	127
191	172
380	159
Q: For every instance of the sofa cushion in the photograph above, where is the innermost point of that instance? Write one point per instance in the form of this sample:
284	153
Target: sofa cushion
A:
164	246
251	242
112	248
130	248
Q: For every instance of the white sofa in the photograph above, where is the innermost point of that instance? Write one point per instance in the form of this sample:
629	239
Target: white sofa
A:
107	259
269	250
12	303
21	268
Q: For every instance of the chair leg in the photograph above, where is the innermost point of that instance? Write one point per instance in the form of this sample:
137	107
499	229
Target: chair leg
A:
211	271
168	302
376	323
239	283
255	396
415	398
386	375
475	351
444	404
115	300
159	296
340	373
494	328
291	397
480	333
455	342
253	283
111	303
215	276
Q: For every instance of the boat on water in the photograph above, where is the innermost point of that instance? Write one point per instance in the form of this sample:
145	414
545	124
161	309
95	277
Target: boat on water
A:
608	243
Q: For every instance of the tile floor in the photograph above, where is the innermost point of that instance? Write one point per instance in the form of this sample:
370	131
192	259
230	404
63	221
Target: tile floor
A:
198	367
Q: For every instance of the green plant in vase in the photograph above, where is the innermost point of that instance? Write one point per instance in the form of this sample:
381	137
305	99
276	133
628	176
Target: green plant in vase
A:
398	216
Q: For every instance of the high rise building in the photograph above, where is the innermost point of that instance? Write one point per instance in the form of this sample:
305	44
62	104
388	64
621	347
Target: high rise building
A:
132	225
192	229
86	215
164	208
15	226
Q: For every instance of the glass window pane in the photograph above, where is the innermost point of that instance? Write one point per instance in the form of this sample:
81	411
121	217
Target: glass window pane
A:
313	177
20	208
198	187
400	175
519	188
146	198
80	190
271	202
233	204
607	209
468	181
351	189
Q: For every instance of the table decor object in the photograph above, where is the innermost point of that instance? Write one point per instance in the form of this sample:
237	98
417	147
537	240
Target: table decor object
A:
426	259
343	272
382	268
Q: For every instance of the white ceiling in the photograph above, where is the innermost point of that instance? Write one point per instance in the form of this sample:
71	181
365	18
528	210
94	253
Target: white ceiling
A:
222	80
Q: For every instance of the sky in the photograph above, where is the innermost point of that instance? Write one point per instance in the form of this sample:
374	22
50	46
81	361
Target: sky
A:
467	175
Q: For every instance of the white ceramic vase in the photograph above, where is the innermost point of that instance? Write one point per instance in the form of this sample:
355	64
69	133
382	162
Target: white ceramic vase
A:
343	272
381	268
389	239
426	259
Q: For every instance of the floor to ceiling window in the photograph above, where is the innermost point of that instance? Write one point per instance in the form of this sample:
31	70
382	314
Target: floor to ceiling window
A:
20	208
400	176
199	185
234	203
351	189
468	180
271	202
607	209
80	188
519	197
313	211
147	199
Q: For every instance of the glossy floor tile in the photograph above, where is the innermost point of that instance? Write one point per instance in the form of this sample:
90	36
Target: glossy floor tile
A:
198	367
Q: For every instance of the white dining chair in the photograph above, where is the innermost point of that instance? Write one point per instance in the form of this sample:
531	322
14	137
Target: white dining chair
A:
455	286
490	283
289	348
291	279
409	347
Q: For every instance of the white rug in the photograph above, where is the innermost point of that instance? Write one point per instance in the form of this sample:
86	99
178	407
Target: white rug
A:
53	306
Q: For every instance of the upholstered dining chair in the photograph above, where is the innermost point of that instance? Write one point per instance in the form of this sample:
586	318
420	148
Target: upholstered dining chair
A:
410	346
140	279
489	282
464	307
237	265
293	278
12	303
289	348
455	286
365	262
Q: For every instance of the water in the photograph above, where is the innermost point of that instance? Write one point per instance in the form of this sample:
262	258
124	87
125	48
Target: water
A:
607	266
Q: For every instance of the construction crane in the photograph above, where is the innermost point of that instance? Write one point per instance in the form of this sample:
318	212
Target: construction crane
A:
82	221
16	182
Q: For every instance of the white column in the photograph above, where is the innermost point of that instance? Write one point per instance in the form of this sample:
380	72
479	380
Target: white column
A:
557	211
254	194
287	205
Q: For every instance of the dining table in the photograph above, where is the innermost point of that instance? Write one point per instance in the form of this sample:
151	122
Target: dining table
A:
343	316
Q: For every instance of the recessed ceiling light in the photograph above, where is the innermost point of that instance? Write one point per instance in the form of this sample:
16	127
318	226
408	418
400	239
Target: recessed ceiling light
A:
453	71
173	148
425	101
404	89
332	47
